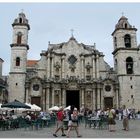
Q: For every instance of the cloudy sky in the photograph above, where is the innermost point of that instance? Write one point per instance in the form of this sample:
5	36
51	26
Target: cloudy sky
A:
92	23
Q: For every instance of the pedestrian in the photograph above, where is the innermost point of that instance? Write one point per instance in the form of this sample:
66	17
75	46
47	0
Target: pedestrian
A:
111	119
86	117
125	118
73	121
59	124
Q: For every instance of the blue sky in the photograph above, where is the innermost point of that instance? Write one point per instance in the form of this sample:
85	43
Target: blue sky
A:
92	23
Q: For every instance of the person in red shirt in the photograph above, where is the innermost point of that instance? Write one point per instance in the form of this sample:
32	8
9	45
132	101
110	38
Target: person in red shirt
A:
60	117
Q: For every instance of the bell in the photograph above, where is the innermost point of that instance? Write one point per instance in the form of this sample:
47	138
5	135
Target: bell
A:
129	66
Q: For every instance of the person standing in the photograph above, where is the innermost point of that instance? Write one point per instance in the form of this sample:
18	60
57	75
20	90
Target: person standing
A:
125	118
60	117
111	120
73	121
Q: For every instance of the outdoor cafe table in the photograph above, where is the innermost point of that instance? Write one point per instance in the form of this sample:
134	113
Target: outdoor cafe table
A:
46	121
94	121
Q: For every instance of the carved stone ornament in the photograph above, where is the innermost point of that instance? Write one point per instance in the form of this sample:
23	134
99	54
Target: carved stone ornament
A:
57	65
72	67
56	92
88	66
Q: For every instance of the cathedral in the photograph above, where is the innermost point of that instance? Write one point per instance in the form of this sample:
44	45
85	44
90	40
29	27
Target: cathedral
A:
73	73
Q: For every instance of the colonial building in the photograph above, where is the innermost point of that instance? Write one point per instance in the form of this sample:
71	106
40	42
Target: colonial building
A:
74	73
3	86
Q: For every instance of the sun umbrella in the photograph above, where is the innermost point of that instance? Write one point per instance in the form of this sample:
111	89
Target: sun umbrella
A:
31	106
37	108
54	108
4	108
67	108
34	107
15	104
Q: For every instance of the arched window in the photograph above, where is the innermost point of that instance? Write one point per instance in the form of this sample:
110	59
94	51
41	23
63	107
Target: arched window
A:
116	65
115	41
127	41
129	65
19	38
18	61
125	25
20	20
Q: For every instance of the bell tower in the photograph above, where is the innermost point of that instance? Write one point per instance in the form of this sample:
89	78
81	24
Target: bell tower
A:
126	62
19	49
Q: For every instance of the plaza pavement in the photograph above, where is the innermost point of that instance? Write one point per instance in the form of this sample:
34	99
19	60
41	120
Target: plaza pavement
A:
134	132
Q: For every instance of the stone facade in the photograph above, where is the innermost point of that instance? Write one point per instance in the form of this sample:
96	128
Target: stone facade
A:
127	62
3	86
72	72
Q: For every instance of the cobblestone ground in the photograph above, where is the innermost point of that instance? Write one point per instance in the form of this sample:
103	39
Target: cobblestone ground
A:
134	132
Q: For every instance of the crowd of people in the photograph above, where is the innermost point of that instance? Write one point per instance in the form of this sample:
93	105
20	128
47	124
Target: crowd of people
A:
74	117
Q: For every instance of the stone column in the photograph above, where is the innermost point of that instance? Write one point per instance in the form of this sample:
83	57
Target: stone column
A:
83	97
63	97
82	66
52	66
98	98
93	66
53	96
93	99
27	95
117	98
47	98
102	98
48	66
43	99
63	66
59	93
97	66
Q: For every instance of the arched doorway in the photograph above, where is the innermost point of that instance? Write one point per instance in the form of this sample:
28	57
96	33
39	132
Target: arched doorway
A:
36	100
108	102
72	98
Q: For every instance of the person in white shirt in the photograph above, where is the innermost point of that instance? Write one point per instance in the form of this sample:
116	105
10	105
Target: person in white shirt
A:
125	118
98	113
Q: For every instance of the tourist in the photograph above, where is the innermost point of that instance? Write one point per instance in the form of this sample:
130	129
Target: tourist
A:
60	117
125	118
111	120
73	121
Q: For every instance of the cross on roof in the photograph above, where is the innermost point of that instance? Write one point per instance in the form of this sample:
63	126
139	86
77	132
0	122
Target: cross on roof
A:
22	10
72	32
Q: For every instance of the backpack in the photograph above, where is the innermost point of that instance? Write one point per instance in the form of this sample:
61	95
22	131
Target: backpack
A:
60	115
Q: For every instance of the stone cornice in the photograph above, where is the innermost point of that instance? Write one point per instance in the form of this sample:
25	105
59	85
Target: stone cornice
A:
17	72
58	54
43	54
118	49
128	75
21	24
22	45
135	29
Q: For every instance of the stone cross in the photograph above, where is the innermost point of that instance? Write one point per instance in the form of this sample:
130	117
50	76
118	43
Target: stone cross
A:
22	10
122	13
72	32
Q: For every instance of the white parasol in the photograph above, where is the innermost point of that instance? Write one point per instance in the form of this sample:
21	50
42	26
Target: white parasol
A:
54	108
